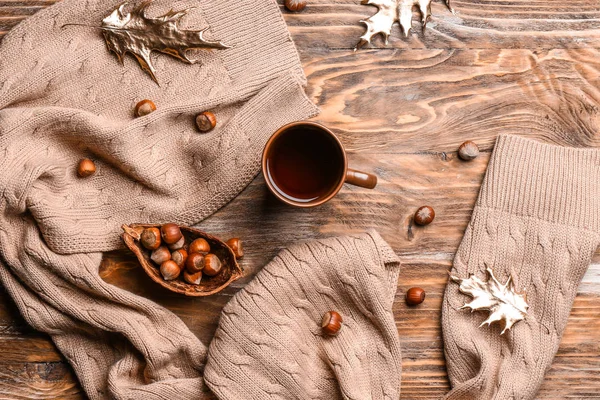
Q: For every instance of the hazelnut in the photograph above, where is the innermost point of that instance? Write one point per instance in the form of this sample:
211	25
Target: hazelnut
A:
194	263
415	296
150	238
160	255
199	246
179	256
170	233
212	265
169	270
178	244
206	121
331	323
295	5
193	279
144	107
468	151
86	168
235	244
424	215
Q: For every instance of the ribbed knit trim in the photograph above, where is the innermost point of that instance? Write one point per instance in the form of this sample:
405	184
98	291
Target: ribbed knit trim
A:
553	183
262	50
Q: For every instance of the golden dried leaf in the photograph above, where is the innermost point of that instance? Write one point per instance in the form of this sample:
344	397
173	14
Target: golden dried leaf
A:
502	301
135	33
391	11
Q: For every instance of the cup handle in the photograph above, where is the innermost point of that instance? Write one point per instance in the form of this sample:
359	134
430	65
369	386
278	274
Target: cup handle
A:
361	179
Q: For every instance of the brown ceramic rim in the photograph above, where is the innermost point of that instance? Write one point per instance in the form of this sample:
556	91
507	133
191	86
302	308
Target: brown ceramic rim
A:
276	192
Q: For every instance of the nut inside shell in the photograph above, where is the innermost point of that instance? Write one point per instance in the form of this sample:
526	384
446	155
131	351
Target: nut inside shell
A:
230	270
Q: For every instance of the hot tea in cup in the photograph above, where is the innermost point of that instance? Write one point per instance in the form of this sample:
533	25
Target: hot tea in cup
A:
305	165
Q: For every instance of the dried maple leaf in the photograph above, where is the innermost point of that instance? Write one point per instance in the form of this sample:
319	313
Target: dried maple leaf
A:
501	300
391	11
135	33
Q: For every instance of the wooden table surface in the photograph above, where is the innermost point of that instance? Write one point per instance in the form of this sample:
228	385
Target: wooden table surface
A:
497	66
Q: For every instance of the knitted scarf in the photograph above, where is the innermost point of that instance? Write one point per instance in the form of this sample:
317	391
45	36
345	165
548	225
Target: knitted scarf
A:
63	97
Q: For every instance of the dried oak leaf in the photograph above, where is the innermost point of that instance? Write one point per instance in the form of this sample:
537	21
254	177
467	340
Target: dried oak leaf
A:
391	11
135	33
502	301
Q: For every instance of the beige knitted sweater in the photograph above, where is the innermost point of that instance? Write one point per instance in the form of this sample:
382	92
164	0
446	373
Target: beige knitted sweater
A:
269	344
63	97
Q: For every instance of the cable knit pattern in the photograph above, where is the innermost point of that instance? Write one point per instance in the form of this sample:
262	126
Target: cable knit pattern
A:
537	218
269	343
63	97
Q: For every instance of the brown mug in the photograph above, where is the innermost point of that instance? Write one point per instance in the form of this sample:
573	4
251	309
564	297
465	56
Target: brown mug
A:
305	165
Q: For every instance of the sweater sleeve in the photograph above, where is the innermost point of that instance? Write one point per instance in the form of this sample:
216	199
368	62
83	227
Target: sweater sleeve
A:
537	221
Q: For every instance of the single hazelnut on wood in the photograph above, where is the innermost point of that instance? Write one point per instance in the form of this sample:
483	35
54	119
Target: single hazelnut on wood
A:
150	238
199	245
212	265
468	151
179	256
86	168
331	323
193	279
206	121
178	244
160	255
144	107
170	233
415	296
235	244
170	270
295	5
424	215
194	263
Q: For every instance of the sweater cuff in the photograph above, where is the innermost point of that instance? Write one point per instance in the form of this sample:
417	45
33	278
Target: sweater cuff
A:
544	181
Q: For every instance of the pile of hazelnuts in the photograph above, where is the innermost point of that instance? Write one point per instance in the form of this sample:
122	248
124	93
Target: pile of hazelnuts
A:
175	257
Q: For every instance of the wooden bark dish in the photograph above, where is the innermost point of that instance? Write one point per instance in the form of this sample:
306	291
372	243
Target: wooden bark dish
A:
230	270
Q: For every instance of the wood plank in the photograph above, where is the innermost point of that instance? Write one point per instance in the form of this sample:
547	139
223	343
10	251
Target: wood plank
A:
478	24
393	101
38	381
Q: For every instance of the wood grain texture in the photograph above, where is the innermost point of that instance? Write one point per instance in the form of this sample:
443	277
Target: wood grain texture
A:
531	68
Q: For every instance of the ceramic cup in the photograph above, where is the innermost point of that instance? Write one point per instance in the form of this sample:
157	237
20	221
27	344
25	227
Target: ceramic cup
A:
305	165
